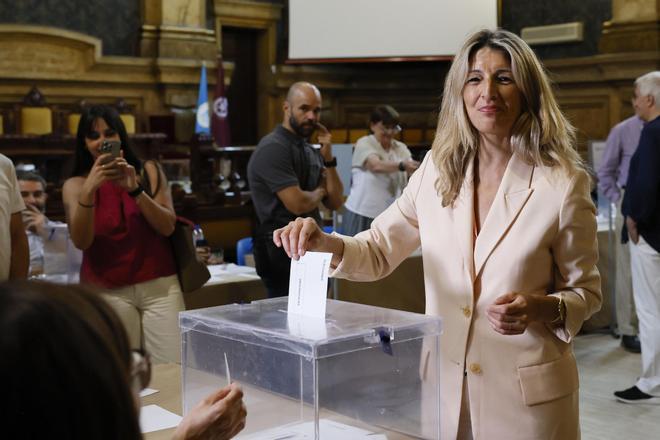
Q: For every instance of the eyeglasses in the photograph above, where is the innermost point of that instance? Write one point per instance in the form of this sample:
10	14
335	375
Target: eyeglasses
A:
140	369
94	135
393	129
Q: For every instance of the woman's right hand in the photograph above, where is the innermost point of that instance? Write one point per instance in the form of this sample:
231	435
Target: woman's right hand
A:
219	416
304	234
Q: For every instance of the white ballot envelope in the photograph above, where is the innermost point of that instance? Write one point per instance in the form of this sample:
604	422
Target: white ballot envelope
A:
308	284
306	327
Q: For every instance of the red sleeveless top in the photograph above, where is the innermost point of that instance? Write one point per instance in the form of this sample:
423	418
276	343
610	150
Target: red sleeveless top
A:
126	250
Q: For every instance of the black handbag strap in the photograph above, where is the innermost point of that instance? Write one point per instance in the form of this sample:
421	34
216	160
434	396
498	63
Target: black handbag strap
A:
146	182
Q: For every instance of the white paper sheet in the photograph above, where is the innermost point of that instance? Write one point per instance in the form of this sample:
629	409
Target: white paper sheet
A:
230	269
230	273
147	392
308	284
329	428
155	418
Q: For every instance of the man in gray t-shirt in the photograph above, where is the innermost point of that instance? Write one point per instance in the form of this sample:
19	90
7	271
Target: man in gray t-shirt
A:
289	178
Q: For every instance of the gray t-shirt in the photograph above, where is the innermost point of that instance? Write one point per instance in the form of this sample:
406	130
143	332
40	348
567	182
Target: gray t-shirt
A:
282	159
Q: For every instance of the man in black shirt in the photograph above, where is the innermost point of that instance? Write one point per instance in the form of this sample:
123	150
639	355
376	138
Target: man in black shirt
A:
289	178
641	207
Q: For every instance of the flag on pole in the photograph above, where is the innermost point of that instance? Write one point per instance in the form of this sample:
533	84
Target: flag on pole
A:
219	117
202	124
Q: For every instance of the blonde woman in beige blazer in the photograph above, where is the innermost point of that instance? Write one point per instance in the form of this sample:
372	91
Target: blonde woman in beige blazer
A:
502	211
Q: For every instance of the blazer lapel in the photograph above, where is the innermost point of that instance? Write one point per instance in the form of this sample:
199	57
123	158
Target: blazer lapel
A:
513	193
463	220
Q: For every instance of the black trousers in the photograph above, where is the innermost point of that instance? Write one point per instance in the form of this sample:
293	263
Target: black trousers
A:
273	264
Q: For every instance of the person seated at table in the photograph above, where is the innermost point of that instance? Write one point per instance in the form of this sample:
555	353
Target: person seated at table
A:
380	170
72	375
33	191
120	213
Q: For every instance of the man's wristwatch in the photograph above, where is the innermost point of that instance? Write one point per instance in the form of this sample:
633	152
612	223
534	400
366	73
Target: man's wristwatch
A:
402	166
331	163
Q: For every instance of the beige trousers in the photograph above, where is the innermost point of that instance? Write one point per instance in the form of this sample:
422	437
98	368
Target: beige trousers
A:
150	313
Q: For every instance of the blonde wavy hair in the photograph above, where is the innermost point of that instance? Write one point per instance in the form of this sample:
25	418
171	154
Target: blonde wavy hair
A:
540	136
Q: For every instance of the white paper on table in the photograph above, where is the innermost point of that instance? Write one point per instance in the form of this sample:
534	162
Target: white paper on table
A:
222	272
155	418
308	284
329	428
147	392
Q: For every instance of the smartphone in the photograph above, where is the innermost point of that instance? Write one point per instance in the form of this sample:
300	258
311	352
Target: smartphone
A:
111	147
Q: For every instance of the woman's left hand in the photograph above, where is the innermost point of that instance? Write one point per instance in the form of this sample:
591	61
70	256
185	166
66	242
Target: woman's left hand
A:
129	180
510	314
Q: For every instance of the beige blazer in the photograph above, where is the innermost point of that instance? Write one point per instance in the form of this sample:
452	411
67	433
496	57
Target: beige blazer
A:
539	237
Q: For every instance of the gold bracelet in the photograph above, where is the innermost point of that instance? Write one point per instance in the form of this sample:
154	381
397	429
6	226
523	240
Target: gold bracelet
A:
86	206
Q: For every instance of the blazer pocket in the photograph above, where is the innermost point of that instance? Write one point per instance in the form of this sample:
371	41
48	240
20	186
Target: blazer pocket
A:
549	381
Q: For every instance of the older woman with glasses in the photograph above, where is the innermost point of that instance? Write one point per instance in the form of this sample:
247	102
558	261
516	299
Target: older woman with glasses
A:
70	372
502	210
120	213
380	170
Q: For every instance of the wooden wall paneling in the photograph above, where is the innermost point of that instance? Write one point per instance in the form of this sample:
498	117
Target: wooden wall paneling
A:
356	133
339	135
225	233
412	135
590	115
595	91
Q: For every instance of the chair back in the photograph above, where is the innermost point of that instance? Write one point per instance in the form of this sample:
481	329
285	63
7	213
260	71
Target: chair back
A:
35	116
72	121
129	122
243	247
36	120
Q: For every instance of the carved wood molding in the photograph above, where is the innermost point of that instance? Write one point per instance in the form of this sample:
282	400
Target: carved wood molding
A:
244	13
72	64
603	68
40	52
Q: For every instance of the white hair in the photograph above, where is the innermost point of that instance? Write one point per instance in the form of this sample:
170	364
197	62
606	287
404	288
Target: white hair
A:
649	85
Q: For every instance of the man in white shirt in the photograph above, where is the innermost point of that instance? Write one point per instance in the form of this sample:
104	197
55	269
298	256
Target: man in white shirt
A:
37	225
14	253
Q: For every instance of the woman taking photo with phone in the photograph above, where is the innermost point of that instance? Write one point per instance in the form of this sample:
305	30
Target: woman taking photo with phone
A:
122	231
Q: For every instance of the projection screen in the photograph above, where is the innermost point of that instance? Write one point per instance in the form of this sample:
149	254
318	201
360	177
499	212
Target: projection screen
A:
344	29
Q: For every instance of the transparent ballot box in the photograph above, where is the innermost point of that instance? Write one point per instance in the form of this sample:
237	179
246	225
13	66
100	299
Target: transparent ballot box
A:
363	372
61	259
